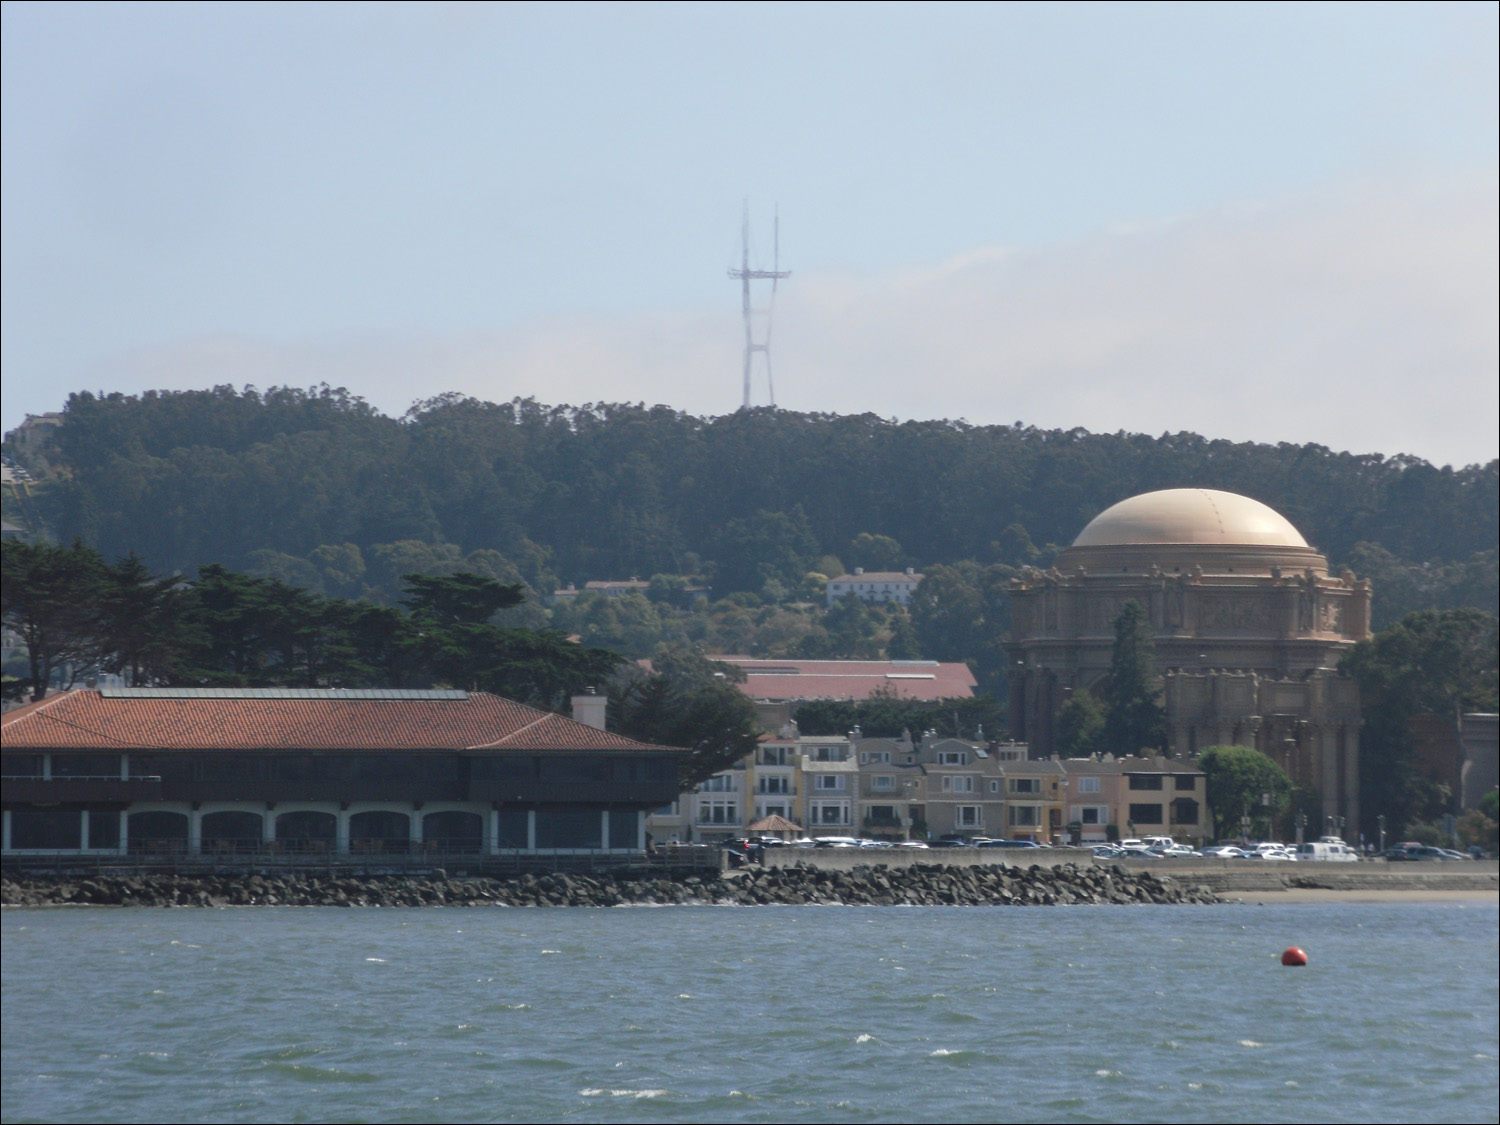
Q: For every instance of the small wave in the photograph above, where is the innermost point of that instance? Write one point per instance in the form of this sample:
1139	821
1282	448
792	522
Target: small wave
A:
546	951
376	960
599	1092
864	1038
1107	1073
1250	1043
302	1073
685	996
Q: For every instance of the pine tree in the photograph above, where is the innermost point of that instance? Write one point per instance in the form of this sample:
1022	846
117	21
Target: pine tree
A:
1133	719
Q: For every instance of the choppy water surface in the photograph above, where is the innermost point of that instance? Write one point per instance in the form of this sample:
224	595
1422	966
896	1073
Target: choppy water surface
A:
767	1014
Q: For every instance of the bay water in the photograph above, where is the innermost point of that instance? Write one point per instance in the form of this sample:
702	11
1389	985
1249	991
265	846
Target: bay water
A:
817	1013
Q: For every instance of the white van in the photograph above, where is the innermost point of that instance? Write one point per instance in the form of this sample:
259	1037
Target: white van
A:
1324	851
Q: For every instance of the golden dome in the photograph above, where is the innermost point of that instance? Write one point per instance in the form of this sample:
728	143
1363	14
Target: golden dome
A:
1190	515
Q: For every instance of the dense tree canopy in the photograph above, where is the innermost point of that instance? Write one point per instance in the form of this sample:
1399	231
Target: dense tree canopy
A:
737	521
1239	779
79	613
611	490
686	700
1430	662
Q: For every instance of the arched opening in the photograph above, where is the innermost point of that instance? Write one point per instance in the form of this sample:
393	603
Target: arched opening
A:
453	831
307	831
226	832
158	833
379	831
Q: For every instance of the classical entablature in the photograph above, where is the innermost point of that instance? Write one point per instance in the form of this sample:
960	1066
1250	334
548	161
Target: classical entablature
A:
1249	628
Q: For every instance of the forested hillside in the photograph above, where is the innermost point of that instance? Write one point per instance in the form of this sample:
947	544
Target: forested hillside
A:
319	489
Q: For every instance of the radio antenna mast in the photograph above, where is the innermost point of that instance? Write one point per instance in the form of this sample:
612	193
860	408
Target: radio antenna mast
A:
745	275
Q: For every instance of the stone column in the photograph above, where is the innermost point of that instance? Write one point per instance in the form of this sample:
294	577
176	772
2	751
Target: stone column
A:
492	829
5	830
83	830
1326	750
1018	704
604	826
124	832
531	830
416	823
195	831
1351	777
268	825
341	832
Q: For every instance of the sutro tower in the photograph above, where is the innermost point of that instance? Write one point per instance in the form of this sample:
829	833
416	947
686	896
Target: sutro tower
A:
745	275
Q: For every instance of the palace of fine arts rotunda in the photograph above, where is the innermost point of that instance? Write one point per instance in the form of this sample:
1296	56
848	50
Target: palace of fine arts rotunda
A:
1248	627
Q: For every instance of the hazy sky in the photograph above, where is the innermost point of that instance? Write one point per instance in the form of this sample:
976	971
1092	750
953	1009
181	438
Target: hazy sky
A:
1265	222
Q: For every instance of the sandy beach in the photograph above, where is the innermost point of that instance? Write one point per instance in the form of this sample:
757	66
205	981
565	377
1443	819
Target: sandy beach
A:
1305	894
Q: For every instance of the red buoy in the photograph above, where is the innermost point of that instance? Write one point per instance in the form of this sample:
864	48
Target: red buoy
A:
1294	956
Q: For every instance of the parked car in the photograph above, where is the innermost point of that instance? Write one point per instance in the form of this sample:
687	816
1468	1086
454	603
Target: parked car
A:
1411	851
1178	851
1226	851
1275	852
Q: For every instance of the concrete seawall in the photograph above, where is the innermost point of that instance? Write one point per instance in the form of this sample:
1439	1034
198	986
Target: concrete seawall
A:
1222	876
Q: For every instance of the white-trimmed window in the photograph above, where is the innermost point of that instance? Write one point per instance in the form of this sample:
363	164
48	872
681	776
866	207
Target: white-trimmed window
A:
1025	785
1088	785
828	812
1091	814
716	810
827	781
958	784
1025	816
719	783
883	784
969	816
953	758
773	783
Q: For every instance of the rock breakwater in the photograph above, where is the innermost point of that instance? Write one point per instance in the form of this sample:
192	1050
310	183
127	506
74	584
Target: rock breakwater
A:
935	885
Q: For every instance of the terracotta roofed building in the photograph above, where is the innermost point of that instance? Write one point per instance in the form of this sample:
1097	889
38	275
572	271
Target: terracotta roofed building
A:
196	770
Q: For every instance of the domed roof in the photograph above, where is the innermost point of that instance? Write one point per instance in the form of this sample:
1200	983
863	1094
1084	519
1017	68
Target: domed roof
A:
1190	515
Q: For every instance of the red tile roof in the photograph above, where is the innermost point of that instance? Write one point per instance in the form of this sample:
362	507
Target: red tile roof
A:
90	720
852	679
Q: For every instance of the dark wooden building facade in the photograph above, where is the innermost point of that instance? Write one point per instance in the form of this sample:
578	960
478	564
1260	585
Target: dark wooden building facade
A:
346	772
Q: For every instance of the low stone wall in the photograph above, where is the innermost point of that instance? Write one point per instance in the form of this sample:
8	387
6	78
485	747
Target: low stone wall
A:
847	859
928	885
